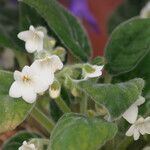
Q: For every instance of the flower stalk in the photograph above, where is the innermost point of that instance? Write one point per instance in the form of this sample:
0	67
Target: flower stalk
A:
62	105
40	117
83	105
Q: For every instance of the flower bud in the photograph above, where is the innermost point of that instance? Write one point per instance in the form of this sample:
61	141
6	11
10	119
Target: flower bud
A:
91	71
54	90
49	43
88	68
75	92
60	52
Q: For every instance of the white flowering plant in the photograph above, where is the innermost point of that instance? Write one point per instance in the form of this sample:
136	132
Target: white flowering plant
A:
66	99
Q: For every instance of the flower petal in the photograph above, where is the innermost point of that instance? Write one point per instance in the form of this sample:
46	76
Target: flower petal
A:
28	71
31	28
30	46
17	75
28	94
140	101
97	73
130	131
131	114
40	34
15	90
56	63
43	71
25	35
40	85
34	44
136	134
147	125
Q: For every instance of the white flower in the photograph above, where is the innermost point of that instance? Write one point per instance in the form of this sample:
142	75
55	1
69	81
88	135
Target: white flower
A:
141	126
27	146
54	90
45	68
27	84
92	71
132	112
33	39
145	12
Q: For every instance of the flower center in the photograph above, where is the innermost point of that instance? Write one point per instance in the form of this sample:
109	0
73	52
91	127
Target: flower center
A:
25	78
36	36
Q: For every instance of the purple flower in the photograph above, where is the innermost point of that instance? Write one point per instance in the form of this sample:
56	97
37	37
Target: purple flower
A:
80	8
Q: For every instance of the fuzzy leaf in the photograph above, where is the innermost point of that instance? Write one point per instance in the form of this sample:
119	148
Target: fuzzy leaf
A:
115	97
128	45
13	111
77	132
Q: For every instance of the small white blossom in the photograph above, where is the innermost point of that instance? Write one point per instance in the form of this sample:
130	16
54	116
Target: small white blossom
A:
92	71
45	68
145	12
27	146
54	90
33	39
141	126
27	84
132	112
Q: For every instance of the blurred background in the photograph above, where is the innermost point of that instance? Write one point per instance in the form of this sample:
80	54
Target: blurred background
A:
100	10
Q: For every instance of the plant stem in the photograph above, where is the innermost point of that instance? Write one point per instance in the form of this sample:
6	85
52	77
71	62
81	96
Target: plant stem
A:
40	117
108	78
62	105
83	105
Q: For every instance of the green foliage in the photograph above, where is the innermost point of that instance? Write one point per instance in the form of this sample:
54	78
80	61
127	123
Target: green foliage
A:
27	17
127	10
65	26
13	111
77	132
115	97
128	45
16	141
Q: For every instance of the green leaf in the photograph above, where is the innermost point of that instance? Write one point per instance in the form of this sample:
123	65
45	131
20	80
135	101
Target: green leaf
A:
16	141
142	71
127	10
126	47
28	16
13	111
77	132
65	26
117	98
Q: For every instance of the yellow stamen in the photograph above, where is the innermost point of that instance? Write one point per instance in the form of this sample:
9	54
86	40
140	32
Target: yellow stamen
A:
25	78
